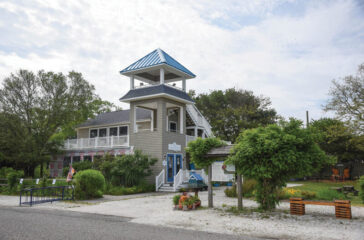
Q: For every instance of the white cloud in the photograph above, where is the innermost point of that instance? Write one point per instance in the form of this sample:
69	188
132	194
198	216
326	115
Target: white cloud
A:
291	59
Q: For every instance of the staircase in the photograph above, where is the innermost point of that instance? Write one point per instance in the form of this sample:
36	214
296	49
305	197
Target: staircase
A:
166	187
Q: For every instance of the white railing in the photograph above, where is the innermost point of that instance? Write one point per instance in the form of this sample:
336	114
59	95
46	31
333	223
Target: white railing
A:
179	178
189	139
199	119
159	180
98	142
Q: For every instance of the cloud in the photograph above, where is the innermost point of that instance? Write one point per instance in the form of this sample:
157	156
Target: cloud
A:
289	56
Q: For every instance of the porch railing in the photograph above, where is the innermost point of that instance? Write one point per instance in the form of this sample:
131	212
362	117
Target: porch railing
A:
33	196
159	180
98	142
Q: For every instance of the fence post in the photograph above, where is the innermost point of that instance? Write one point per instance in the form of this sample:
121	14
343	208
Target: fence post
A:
20	197
31	197
63	192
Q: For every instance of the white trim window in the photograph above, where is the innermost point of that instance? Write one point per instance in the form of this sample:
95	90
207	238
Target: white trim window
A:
122	130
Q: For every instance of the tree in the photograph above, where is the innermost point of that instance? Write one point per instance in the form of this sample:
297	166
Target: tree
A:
130	170
38	111
337	139
347	99
198	150
272	155
231	111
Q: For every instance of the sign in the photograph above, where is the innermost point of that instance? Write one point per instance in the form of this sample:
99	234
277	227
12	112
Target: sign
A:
174	147
21	181
164	163
37	181
54	181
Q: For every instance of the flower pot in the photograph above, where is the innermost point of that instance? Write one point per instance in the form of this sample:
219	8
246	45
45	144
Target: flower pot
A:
190	206
185	208
176	207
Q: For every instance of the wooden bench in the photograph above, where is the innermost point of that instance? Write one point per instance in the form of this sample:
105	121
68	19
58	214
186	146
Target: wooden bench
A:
342	207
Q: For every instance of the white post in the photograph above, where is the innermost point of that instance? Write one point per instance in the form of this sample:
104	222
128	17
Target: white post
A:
184	84
161	76
152	121
181	120
131	82
134	120
195	132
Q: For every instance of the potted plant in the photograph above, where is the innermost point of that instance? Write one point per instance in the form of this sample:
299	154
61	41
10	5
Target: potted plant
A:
196	202
182	199
191	202
176	201
185	204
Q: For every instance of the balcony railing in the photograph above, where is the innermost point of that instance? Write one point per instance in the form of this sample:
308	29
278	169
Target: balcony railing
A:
98	142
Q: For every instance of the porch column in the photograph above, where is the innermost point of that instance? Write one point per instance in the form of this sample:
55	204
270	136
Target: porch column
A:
161	76
195	132
134	119
152	121
184	84
181	125
131	82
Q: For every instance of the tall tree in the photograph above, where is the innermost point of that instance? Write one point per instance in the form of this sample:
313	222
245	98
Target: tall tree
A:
272	155
337	139
231	111
39	111
347	99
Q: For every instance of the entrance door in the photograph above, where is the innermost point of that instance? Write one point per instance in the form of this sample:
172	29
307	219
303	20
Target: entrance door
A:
174	164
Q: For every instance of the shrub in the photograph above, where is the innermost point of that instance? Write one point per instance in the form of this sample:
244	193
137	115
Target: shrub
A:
37	171
130	170
141	188
249	185
80	166
12	179
89	184
329	195
231	191
308	194
4	171
361	188
176	199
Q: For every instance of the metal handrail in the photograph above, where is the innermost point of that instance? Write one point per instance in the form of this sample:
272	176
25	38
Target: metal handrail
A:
45	194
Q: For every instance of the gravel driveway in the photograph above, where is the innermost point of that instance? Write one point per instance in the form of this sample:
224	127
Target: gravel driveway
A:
156	209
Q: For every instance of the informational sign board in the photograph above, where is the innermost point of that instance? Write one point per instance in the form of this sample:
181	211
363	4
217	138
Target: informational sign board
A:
174	147
37	181
54	181
218	174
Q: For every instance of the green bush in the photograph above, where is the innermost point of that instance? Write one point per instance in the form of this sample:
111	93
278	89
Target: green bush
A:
80	166
12	179
130	170
141	188
330	195
4	171
308	195
361	188
231	191
89	184
249	185
176	199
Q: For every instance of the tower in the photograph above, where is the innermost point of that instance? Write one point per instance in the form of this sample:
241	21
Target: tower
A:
164	136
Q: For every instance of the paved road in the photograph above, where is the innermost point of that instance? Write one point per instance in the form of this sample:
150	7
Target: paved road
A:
32	223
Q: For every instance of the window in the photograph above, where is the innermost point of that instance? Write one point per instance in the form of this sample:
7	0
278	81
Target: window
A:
102	132
113	131
123	130
172	126
93	133
87	158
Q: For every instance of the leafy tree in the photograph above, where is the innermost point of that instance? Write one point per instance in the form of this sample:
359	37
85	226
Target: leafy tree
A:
198	150
130	170
38	111
231	111
347	99
337	139
272	155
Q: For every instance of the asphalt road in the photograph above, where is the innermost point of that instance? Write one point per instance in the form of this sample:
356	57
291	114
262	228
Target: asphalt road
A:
37	224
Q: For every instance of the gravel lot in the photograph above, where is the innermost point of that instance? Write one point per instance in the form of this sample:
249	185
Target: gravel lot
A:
155	209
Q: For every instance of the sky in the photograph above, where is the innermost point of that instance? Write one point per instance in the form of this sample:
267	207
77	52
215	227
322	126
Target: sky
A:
288	50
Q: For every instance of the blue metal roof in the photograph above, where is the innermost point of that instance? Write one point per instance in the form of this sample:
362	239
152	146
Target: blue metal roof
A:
156	89
154	58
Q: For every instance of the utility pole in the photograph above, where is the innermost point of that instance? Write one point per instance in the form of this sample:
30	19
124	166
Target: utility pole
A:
307	120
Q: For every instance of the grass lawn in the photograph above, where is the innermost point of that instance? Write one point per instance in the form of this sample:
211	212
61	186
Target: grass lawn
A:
324	185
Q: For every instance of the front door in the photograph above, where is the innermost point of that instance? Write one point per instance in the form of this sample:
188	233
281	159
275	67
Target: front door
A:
174	164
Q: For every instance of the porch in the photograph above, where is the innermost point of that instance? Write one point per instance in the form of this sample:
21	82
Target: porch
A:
179	179
97	142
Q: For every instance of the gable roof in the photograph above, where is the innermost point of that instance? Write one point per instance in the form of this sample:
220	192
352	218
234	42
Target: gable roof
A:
154	58
160	90
115	117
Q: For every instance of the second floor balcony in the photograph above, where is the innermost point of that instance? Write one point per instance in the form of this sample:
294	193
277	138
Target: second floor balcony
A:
96	142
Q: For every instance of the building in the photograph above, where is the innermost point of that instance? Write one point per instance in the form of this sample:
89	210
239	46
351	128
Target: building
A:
161	120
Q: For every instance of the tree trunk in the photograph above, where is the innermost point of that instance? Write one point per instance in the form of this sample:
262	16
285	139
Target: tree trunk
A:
209	184
239	192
